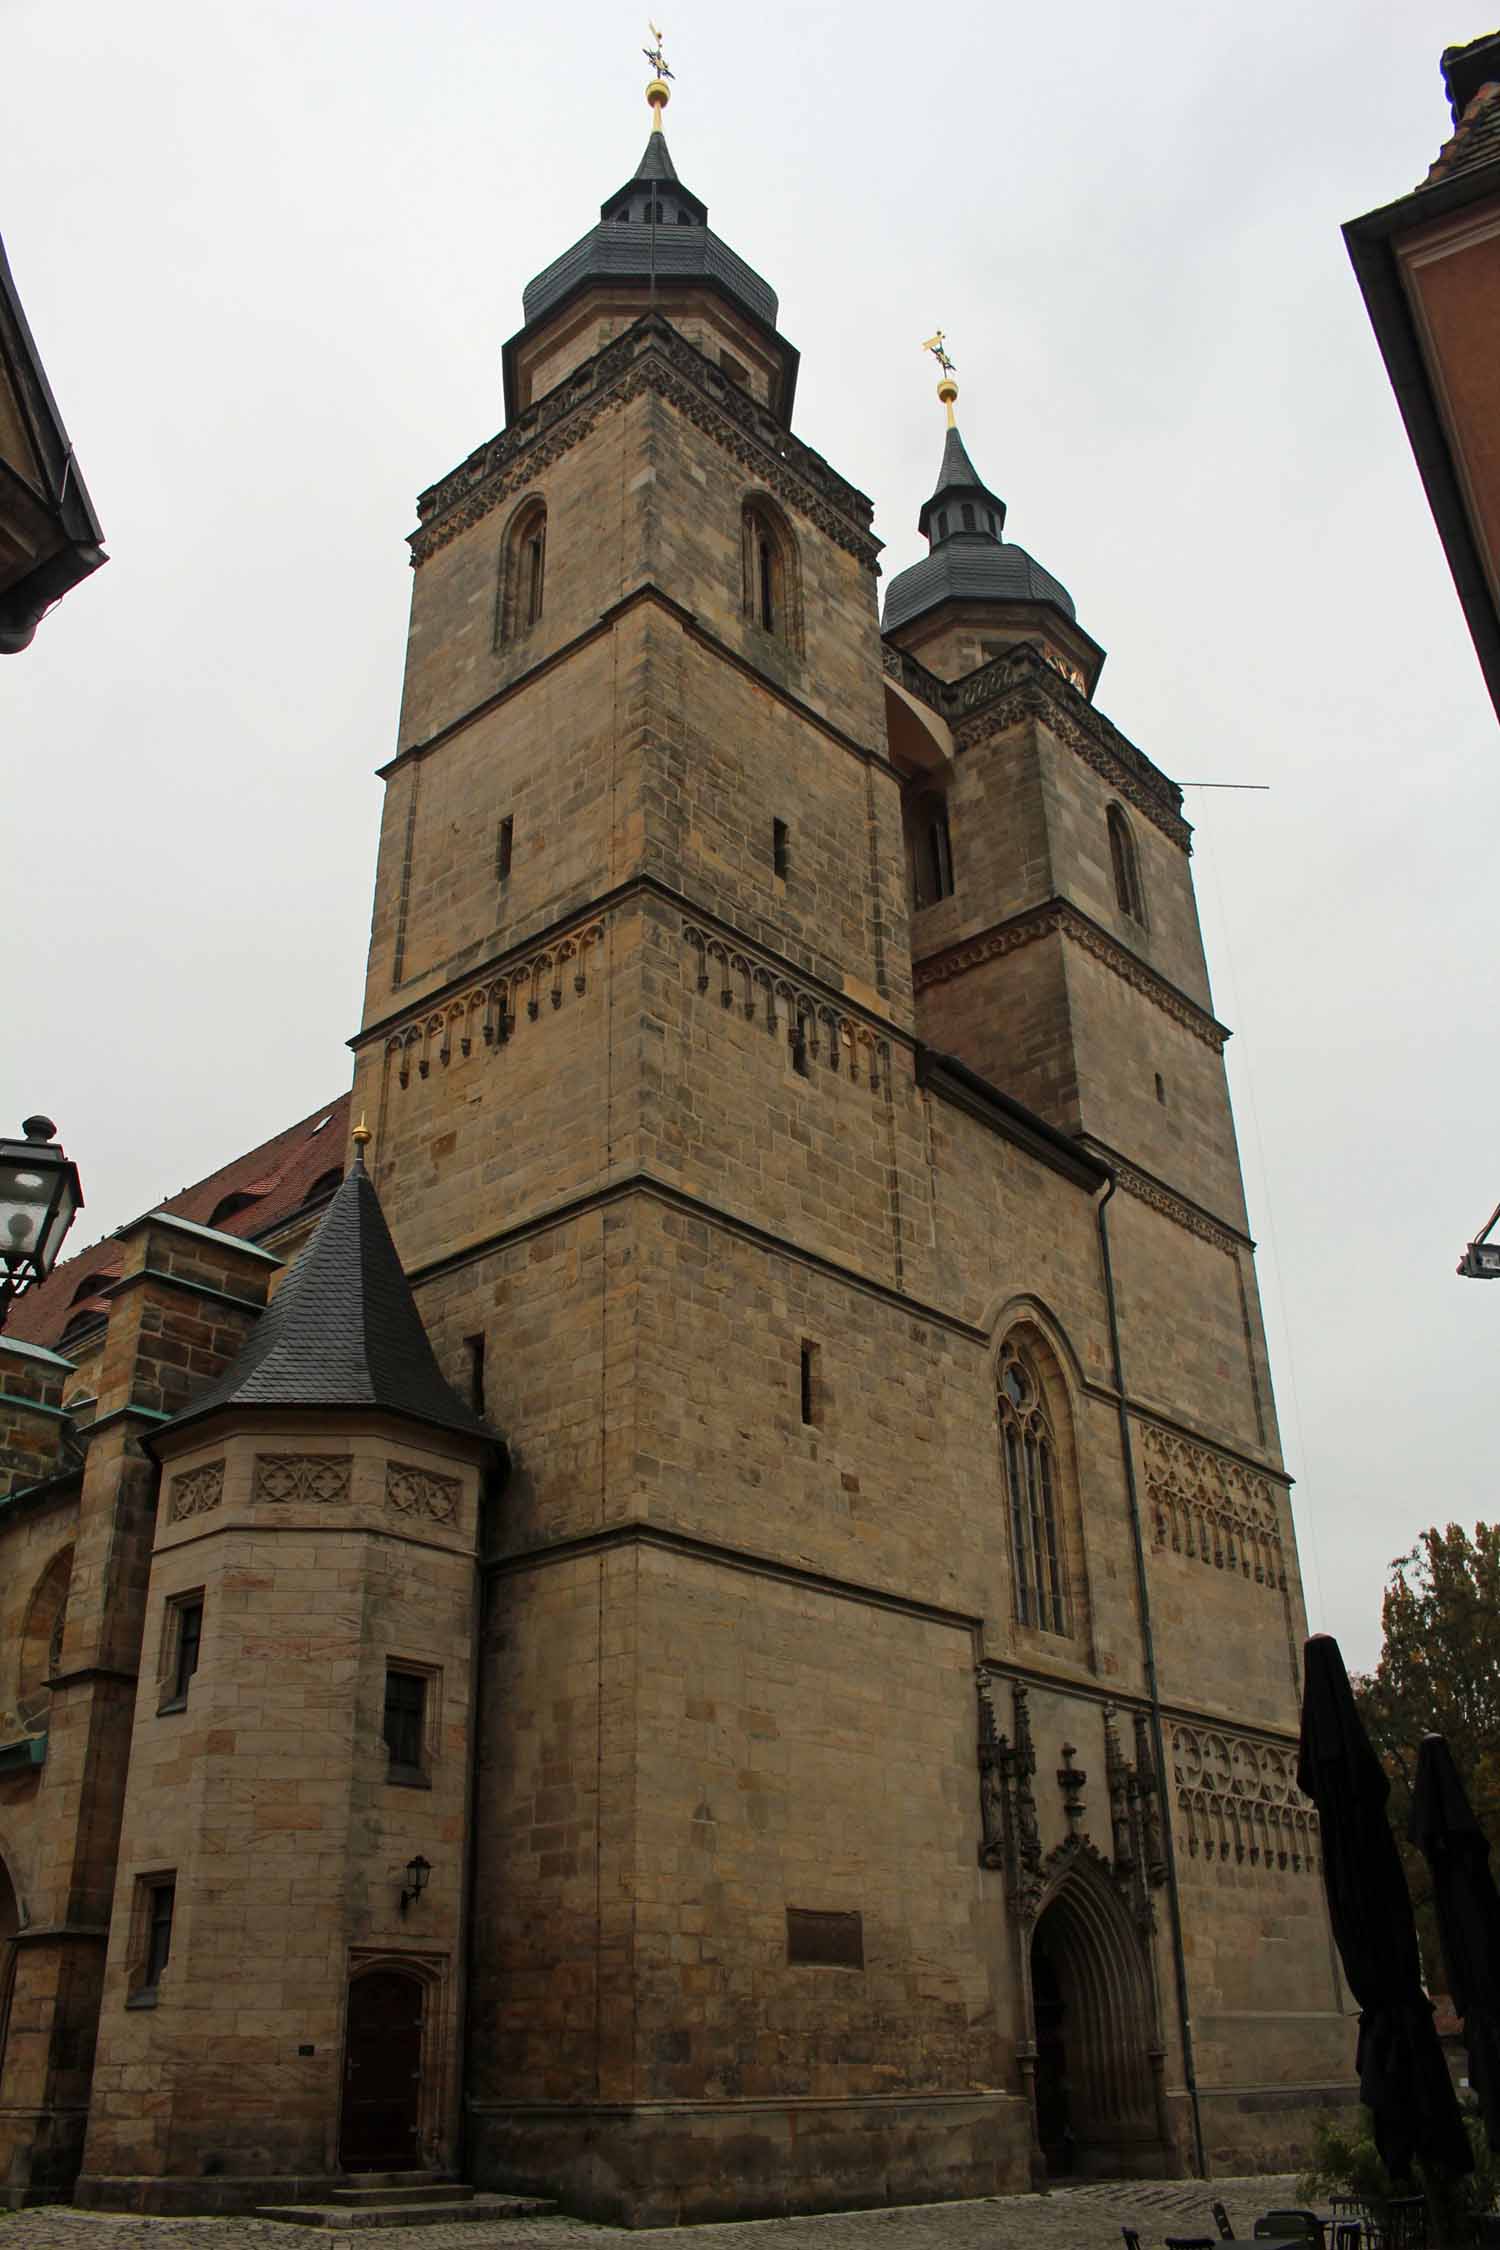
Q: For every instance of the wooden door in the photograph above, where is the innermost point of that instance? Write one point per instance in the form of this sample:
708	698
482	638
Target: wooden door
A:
379	2126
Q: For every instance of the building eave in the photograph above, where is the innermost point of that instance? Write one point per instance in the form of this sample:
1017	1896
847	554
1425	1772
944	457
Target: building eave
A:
1371	242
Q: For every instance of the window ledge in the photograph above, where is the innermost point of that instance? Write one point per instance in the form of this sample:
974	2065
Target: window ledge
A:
173	1703
408	1777
146	1997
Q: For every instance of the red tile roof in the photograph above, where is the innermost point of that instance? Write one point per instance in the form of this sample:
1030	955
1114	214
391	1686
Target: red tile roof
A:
1476	142
275	1179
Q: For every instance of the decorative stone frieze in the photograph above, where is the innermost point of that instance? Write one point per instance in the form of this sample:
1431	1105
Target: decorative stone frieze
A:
422	1492
1238	1799
491	1009
828	1039
196	1491
1045	921
1173	1207
1024	683
321	1477
651	356
1212	1509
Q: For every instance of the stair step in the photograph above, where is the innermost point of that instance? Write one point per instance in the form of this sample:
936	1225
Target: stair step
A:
339	2218
420	2191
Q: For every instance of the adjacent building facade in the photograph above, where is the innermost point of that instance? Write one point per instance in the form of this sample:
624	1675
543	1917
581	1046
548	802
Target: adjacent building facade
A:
1429	267
752	1661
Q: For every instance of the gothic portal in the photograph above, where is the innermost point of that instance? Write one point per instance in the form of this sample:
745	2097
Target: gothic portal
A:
708	1622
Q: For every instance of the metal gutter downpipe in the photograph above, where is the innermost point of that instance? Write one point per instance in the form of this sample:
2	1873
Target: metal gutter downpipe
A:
1158	1733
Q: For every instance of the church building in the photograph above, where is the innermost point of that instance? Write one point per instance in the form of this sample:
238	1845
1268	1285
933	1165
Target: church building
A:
688	1602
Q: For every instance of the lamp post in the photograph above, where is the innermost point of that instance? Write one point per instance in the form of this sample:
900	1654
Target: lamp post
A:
40	1193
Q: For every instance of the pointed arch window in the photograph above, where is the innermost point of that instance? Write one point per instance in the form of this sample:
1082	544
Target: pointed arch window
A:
523	571
772	583
1125	866
1028	1448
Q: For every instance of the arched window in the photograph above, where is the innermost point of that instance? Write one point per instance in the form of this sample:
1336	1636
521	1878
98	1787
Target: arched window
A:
523	571
772	587
1028	1449
41	1642
931	848
1126	868
968	515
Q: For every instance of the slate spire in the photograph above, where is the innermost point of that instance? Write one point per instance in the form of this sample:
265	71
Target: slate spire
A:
343	1331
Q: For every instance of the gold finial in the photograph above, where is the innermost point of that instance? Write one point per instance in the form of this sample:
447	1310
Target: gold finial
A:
947	389
361	1137
658	93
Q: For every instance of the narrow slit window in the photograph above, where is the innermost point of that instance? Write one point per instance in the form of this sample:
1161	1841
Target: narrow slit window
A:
533	577
767	588
780	849
808	1378
1161	1089
523	572
504	845
1125	867
189	1645
968	514
474	1346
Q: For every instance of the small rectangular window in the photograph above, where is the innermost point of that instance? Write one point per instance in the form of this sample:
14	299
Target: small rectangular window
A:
780	848
809	1381
1161	1089
406	1723
504	841
181	1646
151	1946
824	1941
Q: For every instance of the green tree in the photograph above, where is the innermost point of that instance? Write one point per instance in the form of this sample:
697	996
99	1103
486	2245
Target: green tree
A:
1439	1673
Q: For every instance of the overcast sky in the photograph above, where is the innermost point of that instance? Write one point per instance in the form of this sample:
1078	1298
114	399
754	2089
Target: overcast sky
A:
270	256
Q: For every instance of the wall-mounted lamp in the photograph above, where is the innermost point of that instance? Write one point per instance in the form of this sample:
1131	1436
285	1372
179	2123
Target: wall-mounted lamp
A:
417	1872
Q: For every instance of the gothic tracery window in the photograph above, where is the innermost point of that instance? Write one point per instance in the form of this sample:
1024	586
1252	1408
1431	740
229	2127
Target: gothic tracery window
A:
1125	867
1028	1448
523	571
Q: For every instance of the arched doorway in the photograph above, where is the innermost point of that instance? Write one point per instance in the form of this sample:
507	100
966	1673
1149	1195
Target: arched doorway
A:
1093	2014
10	1923
381	2113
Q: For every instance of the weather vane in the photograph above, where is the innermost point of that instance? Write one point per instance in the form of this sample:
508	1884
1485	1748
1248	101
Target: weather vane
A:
657	93
947	389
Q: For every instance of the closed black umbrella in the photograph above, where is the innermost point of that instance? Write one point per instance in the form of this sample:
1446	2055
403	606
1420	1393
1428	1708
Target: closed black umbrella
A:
1403	2079
1468	1914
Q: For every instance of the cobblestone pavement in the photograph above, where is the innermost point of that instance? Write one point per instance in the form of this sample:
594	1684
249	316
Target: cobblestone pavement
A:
1070	2218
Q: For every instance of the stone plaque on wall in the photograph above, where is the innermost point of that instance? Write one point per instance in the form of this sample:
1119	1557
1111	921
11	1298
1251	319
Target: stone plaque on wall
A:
831	1941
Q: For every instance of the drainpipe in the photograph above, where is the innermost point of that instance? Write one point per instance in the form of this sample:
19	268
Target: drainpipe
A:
489	1488
1158	1733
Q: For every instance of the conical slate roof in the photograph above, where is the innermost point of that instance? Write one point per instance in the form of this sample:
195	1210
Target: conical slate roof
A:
629	244
343	1330
969	560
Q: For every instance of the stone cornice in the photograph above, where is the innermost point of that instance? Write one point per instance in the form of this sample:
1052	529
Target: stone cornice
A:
1197	1221
650	356
1058	915
1022	684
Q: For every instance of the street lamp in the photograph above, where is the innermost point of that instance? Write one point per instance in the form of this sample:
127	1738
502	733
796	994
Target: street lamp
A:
1481	1258
39	1195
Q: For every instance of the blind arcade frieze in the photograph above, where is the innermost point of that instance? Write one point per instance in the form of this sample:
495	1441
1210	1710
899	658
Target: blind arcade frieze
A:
1238	1799
1211	1509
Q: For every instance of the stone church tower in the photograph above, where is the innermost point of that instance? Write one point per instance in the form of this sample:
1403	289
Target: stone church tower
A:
850	1732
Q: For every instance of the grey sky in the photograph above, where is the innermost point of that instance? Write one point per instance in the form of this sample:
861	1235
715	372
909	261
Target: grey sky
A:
270	256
